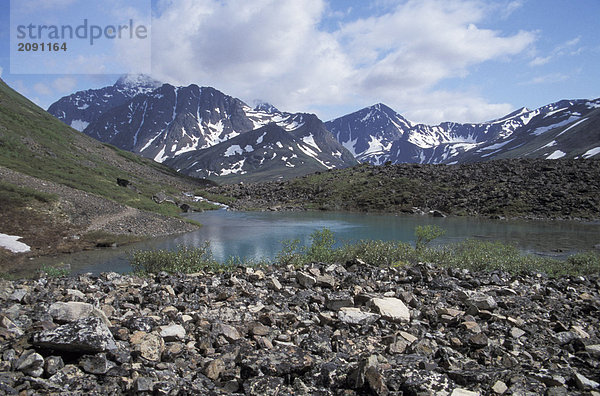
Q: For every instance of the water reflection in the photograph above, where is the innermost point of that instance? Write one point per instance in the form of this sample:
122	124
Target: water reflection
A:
258	235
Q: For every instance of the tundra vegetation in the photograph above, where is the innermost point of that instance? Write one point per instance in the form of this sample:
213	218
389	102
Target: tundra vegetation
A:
469	254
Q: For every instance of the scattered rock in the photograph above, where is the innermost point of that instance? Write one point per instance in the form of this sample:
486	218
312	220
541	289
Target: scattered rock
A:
263	331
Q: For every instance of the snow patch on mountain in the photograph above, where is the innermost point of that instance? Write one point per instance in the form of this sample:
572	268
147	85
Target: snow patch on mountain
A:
556	155
592	152
233	150
310	140
539	131
11	242
573	126
80	125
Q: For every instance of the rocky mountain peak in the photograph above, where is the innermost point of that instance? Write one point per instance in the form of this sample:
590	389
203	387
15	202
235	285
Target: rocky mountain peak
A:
137	81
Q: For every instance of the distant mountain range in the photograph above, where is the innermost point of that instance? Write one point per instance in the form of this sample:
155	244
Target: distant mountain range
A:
377	134
203	132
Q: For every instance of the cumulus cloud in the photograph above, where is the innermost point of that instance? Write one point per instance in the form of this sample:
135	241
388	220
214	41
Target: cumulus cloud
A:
274	49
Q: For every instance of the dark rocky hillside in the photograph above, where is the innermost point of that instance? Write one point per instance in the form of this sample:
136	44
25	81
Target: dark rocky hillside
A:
350	329
559	189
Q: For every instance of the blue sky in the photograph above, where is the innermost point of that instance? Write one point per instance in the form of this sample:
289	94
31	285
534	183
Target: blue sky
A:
430	60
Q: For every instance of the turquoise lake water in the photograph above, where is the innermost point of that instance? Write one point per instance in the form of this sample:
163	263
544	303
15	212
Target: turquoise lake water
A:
259	235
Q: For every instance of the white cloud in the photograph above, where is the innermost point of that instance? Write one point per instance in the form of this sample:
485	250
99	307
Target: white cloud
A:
566	48
1	70
273	49
547	79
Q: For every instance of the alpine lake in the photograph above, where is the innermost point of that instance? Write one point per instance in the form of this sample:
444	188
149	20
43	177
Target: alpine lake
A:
259	235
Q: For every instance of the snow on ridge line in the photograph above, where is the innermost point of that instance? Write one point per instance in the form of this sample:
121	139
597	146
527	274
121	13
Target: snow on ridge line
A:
11	243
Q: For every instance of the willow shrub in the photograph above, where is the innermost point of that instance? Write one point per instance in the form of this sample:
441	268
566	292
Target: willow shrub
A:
185	259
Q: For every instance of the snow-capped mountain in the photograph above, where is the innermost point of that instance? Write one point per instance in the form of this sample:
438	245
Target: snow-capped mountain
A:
167	122
369	133
80	109
268	153
377	134
204	132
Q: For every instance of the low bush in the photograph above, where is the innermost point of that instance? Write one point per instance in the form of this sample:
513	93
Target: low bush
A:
470	254
185	259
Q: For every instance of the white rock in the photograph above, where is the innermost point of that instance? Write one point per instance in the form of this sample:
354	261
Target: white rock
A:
356	316
463	392
172	332
392	309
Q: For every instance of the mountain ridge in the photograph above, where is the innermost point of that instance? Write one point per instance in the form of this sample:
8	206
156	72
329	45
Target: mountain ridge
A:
165	122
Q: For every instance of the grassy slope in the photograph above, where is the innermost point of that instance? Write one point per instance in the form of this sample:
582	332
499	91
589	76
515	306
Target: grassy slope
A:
35	143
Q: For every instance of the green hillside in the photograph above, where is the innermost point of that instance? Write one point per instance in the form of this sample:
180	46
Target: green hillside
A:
37	144
59	190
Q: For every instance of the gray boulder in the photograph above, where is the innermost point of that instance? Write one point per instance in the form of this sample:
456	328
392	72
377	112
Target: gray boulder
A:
83	336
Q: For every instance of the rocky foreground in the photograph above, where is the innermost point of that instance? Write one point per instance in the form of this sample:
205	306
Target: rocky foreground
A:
347	329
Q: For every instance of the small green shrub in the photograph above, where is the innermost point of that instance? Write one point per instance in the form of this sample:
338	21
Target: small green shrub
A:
321	247
55	271
426	234
290	253
185	259
379	253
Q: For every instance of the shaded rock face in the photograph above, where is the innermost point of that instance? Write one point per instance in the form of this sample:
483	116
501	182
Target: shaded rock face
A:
321	329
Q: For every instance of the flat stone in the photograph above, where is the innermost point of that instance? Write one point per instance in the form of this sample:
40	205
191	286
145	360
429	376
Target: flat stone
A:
471	326
483	302
580	332
391	308
31	363
65	312
515	332
479	340
463	392
408	337
259	329
305	280
398	347
214	369
95	364
584	383
335	301
352	315
144	384
593	350
229	332
273	283
172	332
85	335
